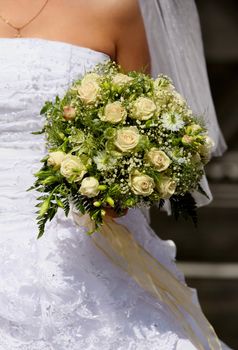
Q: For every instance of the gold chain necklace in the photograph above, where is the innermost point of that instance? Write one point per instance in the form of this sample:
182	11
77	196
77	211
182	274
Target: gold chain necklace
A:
19	29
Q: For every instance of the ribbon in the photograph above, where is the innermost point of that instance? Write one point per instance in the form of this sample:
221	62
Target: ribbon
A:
119	245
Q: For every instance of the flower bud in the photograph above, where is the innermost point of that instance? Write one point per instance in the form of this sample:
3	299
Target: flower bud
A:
187	140
97	203
69	113
102	187
110	201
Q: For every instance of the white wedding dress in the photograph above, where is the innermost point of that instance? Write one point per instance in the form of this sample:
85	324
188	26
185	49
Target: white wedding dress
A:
61	292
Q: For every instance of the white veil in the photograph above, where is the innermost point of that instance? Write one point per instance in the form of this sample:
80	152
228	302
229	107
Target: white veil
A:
176	49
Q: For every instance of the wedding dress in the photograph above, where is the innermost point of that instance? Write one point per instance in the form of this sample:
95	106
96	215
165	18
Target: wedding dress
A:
61	292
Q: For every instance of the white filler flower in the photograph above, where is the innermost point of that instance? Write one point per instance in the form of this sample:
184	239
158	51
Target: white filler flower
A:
172	122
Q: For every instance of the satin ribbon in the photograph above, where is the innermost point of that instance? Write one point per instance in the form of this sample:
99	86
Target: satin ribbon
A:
119	245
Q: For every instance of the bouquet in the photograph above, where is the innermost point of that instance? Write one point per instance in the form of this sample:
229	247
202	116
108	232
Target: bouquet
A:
119	141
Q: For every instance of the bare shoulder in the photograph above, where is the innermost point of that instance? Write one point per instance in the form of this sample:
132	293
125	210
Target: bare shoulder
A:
127	30
119	10
115	27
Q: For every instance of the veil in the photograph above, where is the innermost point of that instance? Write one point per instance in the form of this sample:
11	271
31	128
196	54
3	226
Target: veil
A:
176	49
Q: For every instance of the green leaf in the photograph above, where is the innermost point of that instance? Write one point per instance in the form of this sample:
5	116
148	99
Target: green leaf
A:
45	108
59	202
38	132
50	180
44	206
161	203
30	188
185	206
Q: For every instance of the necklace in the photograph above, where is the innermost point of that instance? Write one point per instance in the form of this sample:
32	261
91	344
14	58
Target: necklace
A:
19	29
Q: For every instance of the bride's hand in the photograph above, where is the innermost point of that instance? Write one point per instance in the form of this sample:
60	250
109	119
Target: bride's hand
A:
112	214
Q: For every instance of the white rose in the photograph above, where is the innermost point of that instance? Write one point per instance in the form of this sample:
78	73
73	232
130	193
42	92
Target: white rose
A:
91	77
141	184
162	98
121	79
89	187
72	166
55	159
163	83
158	159
206	149
187	140
209	143
195	159
144	108
69	113
89	91
127	138
166	187
114	112
193	129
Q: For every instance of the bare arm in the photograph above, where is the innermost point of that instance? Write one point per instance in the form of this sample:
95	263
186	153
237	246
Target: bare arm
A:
131	48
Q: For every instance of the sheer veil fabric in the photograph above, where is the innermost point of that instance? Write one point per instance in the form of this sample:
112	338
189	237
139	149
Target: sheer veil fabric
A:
176	49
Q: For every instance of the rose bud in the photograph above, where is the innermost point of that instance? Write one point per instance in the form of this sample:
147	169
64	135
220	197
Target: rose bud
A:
69	113
187	140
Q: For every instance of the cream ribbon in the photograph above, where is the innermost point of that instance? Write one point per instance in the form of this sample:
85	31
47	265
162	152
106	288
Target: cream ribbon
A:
119	245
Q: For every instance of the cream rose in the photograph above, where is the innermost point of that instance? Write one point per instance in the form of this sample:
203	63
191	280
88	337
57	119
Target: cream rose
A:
158	159
162	98
193	129
121	79
89	187
69	113
187	140
141	184
144	108
163	83
209	143
55	159
89	91
127	138
91	77
163	90
114	113
72	166
166	187
196	161
205	150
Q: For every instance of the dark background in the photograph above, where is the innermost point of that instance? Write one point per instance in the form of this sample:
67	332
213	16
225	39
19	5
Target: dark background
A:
209	254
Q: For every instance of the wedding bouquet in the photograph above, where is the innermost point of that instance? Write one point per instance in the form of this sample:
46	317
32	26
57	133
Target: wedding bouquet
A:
118	141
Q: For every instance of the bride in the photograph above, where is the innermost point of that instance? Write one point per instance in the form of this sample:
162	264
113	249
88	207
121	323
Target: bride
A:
61	292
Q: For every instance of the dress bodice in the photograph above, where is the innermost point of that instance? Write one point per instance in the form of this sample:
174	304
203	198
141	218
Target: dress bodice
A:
33	71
